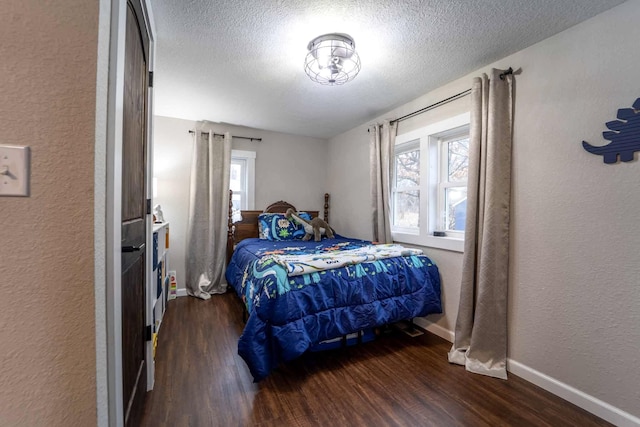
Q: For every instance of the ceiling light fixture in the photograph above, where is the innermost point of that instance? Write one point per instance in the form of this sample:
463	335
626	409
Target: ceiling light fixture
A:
332	59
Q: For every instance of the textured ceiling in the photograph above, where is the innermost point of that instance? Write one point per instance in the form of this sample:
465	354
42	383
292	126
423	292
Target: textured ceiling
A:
241	61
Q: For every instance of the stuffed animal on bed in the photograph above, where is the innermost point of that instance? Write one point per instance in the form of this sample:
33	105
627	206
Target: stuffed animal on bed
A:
316	227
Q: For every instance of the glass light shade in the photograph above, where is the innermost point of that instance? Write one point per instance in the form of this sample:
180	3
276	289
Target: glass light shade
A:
332	59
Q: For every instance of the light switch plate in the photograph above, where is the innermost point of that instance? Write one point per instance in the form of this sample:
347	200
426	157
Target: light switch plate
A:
14	171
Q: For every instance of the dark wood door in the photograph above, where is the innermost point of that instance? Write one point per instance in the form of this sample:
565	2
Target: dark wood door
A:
134	166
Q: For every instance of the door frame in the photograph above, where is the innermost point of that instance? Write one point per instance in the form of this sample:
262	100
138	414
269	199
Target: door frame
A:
108	205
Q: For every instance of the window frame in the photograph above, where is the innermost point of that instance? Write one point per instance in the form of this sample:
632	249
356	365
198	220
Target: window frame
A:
444	184
405	147
249	159
430	144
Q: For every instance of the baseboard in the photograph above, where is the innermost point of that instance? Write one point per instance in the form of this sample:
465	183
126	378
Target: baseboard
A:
585	401
434	328
181	292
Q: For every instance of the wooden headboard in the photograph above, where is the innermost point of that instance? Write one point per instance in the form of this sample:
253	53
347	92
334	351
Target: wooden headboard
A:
248	225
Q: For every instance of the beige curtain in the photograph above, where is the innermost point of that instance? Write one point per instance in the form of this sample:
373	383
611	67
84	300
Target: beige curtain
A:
382	139
208	211
481	328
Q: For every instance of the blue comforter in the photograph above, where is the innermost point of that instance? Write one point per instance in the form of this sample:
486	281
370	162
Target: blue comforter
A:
287	315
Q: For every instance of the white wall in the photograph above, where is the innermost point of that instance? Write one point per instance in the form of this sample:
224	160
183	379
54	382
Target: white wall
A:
574	310
288	167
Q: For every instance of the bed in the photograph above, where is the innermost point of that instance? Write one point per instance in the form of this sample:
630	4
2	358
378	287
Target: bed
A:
291	310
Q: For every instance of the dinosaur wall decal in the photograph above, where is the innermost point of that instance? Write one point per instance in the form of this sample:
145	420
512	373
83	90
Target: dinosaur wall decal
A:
624	135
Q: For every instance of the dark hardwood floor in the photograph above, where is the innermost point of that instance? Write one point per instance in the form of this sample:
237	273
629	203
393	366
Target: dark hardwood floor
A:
395	380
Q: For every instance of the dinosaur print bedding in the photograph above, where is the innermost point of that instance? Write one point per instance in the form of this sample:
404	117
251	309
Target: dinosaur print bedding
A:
305	263
287	315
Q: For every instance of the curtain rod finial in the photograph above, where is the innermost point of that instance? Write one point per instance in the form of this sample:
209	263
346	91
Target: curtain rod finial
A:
506	73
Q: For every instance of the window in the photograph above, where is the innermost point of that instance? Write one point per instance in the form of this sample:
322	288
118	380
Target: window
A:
406	186
452	182
429	184
242	179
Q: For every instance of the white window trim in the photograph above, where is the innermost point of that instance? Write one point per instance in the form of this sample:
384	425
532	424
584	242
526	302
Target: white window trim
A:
429	168
250	158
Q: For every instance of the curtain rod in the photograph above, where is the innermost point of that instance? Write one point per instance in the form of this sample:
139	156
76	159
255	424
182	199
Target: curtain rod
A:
232	136
444	101
432	106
